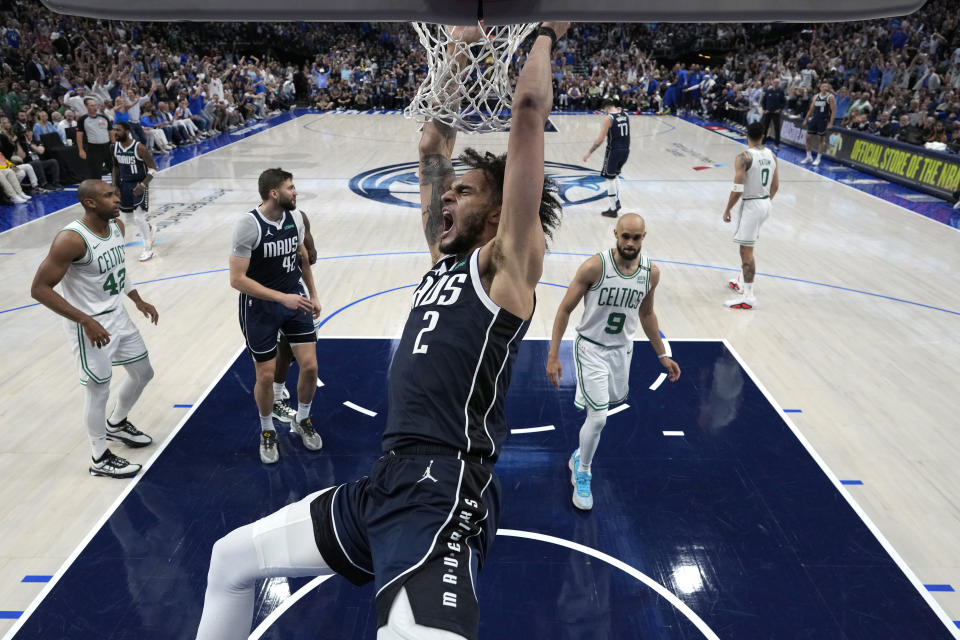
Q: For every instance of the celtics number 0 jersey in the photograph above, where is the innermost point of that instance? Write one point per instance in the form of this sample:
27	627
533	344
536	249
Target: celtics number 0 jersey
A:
611	307
94	283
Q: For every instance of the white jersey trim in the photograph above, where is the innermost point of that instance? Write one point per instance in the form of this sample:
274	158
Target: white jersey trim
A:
488	302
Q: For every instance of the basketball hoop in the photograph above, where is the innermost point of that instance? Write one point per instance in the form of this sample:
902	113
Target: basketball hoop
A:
468	82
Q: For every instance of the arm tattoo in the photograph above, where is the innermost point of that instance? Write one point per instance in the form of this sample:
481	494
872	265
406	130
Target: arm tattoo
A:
445	130
746	160
435	170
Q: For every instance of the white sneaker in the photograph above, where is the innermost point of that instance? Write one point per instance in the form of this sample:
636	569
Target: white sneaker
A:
816	162
742	302
806	160
18	199
146	255
734	283
113	466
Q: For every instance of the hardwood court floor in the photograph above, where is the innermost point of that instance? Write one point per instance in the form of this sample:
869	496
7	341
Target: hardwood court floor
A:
858	326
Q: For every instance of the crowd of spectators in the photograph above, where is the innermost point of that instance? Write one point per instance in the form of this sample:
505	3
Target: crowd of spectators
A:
177	83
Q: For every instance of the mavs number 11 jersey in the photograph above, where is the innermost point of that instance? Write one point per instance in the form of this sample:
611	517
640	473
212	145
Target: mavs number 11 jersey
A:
452	367
611	307
129	166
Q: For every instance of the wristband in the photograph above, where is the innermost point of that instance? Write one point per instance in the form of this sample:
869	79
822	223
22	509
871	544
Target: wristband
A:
737	188
151	172
663	355
547	31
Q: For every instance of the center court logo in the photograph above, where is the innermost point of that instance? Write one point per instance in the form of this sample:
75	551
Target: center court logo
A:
397	184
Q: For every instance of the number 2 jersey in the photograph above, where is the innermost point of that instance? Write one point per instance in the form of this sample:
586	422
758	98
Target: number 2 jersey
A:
611	307
452	368
272	247
94	283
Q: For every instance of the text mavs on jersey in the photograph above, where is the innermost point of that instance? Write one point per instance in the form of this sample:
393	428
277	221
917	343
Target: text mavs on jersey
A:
397	184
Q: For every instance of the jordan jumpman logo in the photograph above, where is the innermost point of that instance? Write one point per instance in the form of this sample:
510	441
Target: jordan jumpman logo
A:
427	474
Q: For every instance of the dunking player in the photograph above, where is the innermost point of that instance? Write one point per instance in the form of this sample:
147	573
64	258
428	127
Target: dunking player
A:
87	258
421	522
616	131
133	170
617	291
755	183
281	410
266	266
822	110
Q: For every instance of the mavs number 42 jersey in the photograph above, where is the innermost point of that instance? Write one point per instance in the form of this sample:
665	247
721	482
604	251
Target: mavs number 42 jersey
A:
618	135
452	367
611	307
272	247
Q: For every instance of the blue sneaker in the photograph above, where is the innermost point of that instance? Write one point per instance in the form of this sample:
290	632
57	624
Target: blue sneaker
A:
582	496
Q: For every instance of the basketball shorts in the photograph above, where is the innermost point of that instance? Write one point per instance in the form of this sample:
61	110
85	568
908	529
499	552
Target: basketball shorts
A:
130	201
262	320
126	345
613	161
750	217
603	374
422	522
817	127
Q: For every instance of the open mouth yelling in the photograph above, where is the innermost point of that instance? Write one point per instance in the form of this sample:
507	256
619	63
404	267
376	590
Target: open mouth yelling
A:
447	223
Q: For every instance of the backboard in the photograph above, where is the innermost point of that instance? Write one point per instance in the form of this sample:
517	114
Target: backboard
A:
465	12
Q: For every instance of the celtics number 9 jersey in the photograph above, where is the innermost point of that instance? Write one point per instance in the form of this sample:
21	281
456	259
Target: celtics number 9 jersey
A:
611	307
94	283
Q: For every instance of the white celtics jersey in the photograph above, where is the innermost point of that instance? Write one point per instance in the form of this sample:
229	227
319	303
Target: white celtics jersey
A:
757	182
94	283
611	306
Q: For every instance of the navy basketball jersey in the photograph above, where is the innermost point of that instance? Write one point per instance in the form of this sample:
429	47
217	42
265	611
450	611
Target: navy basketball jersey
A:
129	167
618	135
452	367
274	261
821	107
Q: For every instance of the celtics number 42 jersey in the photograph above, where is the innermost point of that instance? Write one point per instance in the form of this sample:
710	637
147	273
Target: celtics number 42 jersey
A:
611	307
94	283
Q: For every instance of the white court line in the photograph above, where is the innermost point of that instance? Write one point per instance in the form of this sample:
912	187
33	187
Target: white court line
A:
622	407
109	512
661	590
319	383
918	585
549	427
357	407
659	381
673	433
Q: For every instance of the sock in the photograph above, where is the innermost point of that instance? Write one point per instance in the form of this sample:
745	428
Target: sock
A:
140	218
747	289
818	155
612	192
303	411
95	416
139	374
590	436
266	423
809	155
277	392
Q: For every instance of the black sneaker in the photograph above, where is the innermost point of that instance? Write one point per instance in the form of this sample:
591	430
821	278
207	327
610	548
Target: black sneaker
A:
269	453
618	204
609	213
112	466
311	439
127	434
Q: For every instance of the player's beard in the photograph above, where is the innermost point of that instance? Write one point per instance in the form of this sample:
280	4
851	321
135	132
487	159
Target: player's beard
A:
628	254
289	204
466	239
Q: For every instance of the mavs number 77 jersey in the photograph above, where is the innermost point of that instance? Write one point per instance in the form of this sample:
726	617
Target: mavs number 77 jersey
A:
611	307
452	368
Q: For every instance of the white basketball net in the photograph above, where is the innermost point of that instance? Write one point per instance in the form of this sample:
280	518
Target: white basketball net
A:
467	84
